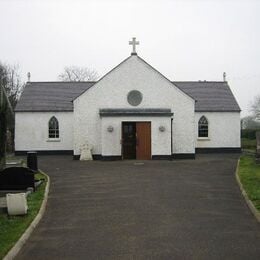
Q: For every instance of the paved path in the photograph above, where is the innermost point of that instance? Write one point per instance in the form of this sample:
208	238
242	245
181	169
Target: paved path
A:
187	209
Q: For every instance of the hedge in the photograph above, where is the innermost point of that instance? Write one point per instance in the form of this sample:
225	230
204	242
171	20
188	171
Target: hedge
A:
249	133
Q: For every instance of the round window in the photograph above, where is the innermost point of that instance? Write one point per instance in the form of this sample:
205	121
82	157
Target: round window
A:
134	98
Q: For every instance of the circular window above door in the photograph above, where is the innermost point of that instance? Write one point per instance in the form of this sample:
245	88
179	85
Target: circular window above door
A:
134	97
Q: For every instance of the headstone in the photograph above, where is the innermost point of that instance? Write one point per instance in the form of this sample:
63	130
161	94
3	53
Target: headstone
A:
17	178
32	160
85	152
14	163
257	147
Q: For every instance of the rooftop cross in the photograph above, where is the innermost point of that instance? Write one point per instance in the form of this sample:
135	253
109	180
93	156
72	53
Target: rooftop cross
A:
134	43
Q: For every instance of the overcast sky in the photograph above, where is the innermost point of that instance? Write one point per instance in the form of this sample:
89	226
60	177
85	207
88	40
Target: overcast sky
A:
185	39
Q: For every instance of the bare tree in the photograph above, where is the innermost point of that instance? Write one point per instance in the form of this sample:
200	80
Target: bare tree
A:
249	122
10	90
255	107
76	73
15	85
3	114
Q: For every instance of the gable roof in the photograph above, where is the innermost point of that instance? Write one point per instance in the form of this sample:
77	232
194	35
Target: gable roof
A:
57	96
106	74
50	96
210	96
164	77
134	55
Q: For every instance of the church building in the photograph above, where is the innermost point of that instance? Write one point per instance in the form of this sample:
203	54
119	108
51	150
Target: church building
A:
132	112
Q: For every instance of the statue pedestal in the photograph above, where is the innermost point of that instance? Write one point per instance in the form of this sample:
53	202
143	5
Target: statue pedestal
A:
86	154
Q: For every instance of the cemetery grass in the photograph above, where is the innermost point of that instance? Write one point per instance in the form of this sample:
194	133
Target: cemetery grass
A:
12	227
249	174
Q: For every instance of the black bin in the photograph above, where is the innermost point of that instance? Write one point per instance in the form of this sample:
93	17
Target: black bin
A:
32	161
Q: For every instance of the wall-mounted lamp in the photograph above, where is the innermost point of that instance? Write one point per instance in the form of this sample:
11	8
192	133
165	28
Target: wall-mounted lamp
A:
110	129
161	128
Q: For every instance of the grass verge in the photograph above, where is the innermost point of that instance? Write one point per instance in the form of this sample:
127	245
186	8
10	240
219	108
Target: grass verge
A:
12	227
249	174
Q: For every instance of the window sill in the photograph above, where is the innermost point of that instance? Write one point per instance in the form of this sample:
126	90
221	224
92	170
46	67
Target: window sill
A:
203	139
53	140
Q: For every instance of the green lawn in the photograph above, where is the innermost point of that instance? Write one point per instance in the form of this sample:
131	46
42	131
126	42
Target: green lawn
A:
12	227
249	173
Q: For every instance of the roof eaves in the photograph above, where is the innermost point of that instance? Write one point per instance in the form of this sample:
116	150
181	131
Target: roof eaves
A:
165	77
51	82
41	110
233	95
199	81
217	110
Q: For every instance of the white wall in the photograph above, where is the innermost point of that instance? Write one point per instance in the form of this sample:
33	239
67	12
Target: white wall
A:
111	92
31	131
161	144
224	130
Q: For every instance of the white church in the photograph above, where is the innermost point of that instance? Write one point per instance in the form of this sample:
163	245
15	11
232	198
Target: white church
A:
132	112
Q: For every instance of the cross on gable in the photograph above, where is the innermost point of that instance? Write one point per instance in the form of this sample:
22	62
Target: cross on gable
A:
134	43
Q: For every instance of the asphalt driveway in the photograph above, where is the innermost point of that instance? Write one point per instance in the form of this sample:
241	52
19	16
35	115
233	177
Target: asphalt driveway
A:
186	209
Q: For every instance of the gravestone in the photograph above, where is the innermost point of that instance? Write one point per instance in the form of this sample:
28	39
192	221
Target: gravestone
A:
17	178
16	204
257	147
32	160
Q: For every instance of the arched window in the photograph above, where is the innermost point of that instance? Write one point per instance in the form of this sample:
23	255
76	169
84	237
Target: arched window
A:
203	128
53	128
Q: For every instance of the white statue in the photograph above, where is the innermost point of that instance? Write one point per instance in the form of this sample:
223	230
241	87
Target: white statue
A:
85	152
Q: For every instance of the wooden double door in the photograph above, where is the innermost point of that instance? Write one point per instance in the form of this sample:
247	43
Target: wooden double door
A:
136	140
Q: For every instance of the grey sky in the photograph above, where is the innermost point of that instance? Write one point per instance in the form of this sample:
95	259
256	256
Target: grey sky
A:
184	40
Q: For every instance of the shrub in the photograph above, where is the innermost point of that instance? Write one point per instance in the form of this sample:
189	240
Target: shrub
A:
248	133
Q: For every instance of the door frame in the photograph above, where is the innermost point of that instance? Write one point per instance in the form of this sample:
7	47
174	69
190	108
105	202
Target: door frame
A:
122	141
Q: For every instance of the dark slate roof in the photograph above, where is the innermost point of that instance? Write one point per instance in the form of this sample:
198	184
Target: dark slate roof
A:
210	95
50	96
58	96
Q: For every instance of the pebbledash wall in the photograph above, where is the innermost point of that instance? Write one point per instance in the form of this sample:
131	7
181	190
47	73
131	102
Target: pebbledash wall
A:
85	125
161	141
35	125
111	93
223	131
